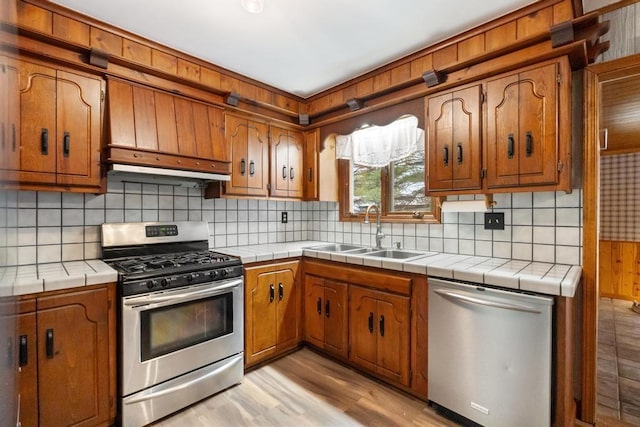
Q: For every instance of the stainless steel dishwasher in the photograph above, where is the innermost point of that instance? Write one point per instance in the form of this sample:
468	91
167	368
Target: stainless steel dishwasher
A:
490	354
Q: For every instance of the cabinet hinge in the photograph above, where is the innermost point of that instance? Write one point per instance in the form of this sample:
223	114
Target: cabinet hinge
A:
102	95
559	78
3	68
560	166
483	173
269	187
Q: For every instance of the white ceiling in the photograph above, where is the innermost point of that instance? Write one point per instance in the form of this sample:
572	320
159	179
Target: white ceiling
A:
299	46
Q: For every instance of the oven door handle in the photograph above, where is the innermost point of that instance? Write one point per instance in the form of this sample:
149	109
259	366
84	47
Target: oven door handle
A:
152	395
139	303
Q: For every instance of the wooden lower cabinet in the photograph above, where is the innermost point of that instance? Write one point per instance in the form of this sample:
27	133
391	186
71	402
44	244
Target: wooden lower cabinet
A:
66	354
619	270
272	311
379	332
325	314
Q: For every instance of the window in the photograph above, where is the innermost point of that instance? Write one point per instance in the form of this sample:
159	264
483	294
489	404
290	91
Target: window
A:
389	173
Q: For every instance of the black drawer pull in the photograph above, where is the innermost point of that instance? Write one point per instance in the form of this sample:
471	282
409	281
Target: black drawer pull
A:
44	141
280	291
381	325
459	153
23	351
319	306
49	343
370	322
272	293
445	154
310	175
66	144
327	309
510	146
284	172
252	168
291	173
529	144
243	167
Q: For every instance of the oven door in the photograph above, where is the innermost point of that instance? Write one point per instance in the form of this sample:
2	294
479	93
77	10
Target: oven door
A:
169	333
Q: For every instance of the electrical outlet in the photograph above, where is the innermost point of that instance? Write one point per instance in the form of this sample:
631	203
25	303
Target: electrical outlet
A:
494	220
285	217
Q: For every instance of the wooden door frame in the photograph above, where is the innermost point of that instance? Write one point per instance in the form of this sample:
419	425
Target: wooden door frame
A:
594	76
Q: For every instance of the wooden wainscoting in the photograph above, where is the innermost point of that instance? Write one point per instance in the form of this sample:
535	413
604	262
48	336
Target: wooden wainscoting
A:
619	269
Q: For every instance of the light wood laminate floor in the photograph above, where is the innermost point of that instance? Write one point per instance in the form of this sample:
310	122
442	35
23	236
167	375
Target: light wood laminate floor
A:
306	389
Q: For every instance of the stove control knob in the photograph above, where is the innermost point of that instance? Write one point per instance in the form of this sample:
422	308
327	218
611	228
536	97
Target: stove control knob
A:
191	277
225	272
164	283
151	284
213	274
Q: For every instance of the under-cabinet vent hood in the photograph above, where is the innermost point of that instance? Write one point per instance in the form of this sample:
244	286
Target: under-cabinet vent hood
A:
163	176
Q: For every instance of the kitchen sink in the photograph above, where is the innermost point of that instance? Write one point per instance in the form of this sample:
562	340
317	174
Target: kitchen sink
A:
362	251
393	253
336	247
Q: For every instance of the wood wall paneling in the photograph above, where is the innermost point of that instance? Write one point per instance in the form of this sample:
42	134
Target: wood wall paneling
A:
535	23
35	17
136	52
619	274
71	30
105	41
164	62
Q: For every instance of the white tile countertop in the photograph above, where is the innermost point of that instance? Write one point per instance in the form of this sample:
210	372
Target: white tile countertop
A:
538	277
27	279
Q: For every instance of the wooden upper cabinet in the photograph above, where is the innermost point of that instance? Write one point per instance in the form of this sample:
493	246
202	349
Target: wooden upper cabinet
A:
248	143
56	139
311	190
287	154
454	143
524	135
183	133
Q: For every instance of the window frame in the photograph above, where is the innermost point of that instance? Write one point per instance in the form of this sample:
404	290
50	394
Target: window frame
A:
344	196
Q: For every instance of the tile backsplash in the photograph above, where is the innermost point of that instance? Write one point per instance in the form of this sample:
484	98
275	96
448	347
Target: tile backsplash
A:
40	227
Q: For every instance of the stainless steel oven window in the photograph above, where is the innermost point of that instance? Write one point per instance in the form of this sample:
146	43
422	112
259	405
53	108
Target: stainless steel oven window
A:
164	330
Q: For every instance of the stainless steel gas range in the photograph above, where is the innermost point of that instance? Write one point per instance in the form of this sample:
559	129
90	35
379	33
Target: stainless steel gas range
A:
181	317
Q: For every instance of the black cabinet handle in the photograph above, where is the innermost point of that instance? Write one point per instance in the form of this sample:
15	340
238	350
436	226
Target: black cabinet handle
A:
66	144
13	137
280	291
252	168
23	351
44	141
49	343
445	155
243	166
370	322
510	145
327	308
284	172
310	174
319	306
291	173
529	143
381	325
272	293
459	153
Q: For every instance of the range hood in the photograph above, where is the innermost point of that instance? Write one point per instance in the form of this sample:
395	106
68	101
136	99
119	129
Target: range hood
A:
163	176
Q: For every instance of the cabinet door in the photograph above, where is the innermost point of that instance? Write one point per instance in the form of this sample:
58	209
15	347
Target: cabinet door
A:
28	369
78	108
73	358
288	308
279	162
502	131
393	337
538	148
363	327
454	140
9	117
185	127
295	155
311	159
37	124
262	304
335	318
314	310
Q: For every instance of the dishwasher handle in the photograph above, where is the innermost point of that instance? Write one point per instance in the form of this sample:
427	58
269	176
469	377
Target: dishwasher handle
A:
480	301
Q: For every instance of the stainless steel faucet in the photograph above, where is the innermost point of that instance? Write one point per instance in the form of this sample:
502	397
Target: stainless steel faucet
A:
379	234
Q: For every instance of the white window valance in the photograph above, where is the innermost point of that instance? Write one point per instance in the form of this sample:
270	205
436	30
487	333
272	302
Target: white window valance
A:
377	146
